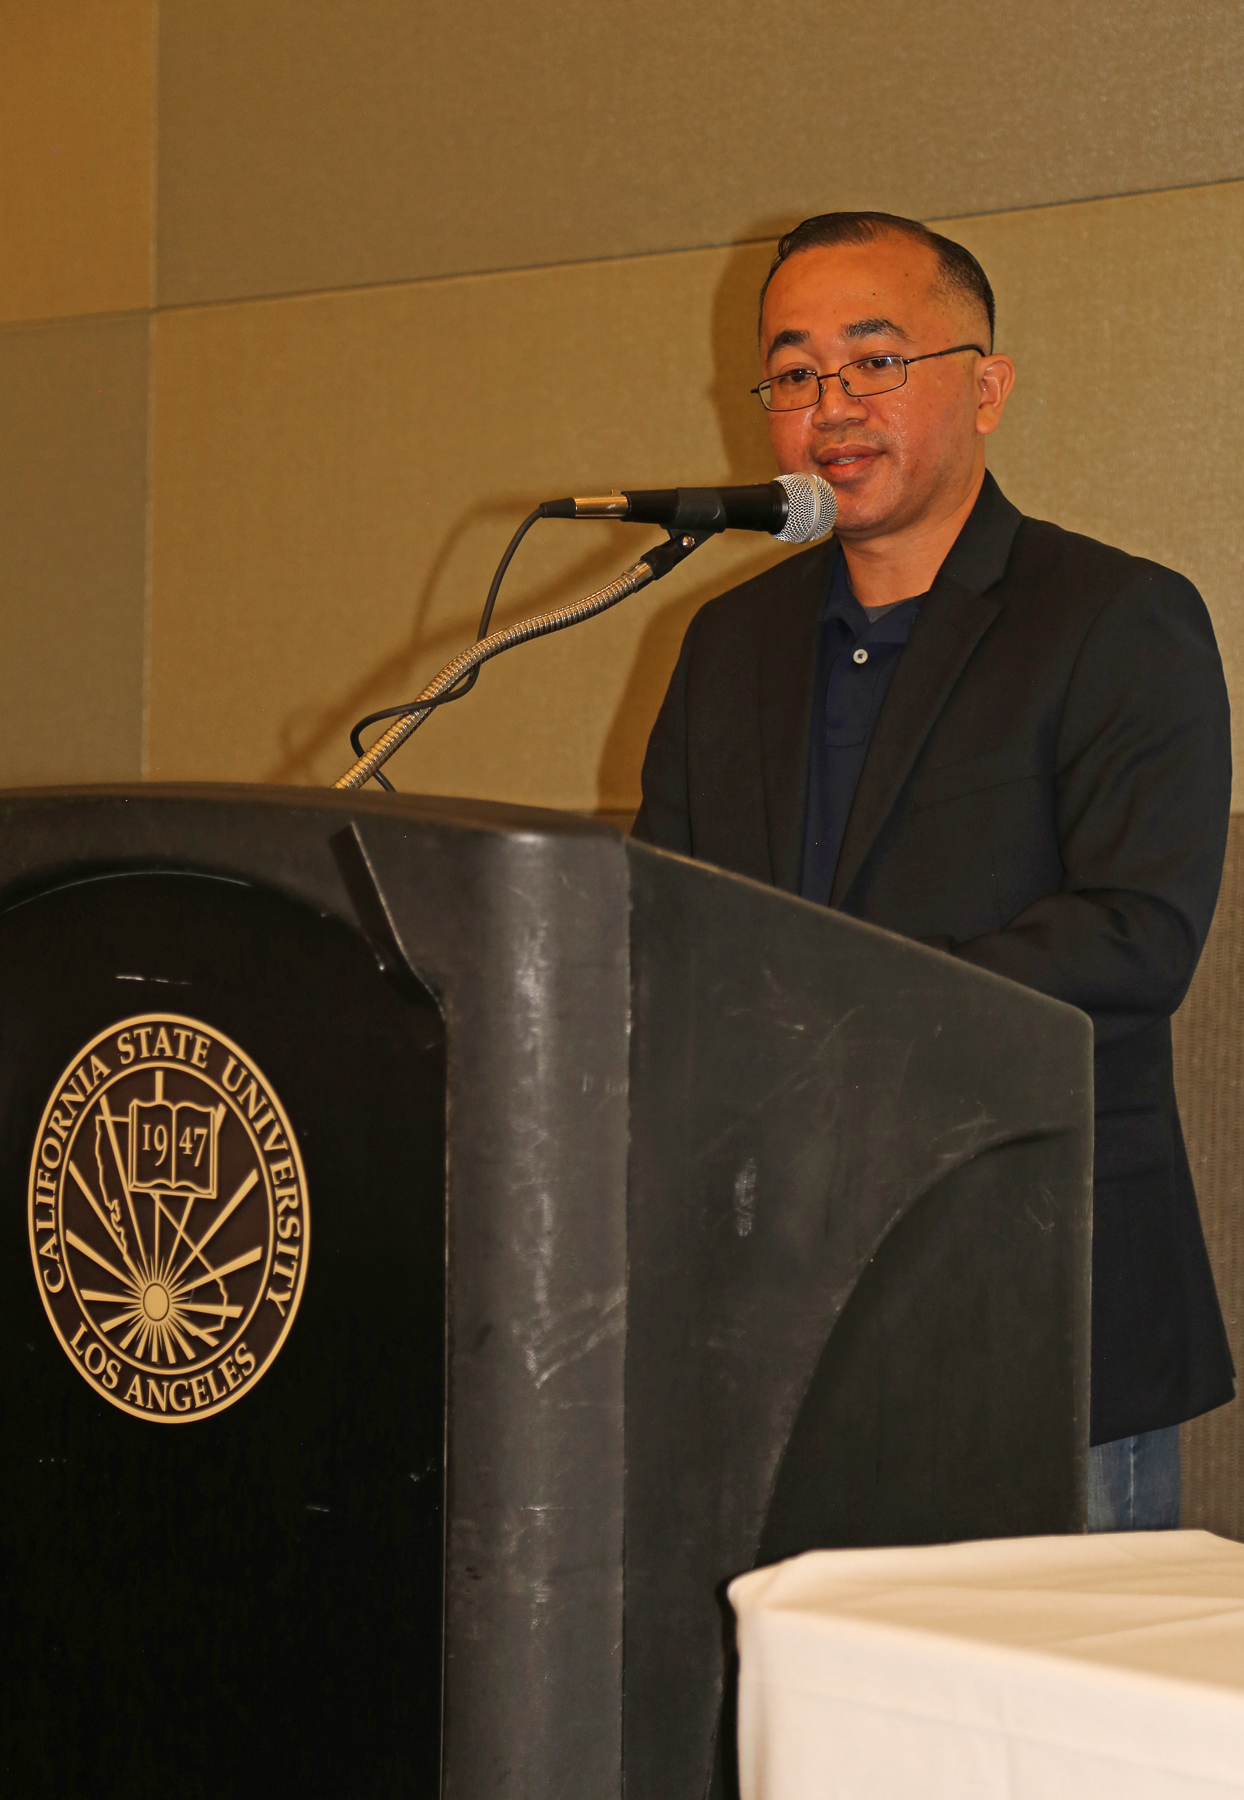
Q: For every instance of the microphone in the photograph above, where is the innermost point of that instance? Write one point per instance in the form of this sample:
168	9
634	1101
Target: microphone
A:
795	509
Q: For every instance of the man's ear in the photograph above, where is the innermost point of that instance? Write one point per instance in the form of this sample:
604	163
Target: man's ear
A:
995	377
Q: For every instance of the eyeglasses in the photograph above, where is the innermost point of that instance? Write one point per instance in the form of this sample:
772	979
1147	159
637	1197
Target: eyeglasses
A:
794	390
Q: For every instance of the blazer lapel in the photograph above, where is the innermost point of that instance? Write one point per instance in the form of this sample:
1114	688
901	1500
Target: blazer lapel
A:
787	671
953	619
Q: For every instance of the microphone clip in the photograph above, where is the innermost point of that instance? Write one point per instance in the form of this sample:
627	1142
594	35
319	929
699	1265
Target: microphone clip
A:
676	548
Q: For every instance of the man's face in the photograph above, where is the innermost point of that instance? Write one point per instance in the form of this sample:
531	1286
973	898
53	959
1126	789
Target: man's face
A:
894	460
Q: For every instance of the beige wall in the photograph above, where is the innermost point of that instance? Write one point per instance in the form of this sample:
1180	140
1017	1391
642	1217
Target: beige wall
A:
310	144
77	90
77	114
383	529
240	502
73	549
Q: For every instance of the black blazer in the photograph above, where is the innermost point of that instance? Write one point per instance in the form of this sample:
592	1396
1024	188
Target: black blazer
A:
1046	795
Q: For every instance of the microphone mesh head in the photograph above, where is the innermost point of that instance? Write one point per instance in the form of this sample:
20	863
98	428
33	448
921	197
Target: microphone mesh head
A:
811	508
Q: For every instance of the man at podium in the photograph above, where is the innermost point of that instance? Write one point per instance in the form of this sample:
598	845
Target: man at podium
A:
985	733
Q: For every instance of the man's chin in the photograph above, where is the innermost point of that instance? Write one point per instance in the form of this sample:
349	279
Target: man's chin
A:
858	520
863	503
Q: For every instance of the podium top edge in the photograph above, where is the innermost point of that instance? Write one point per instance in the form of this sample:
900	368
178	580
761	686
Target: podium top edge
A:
51	810
430	808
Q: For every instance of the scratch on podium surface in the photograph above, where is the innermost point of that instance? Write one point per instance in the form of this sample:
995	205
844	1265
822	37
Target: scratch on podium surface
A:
745	1198
567	1336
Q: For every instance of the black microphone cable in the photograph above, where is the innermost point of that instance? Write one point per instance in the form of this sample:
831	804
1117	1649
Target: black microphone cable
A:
465	686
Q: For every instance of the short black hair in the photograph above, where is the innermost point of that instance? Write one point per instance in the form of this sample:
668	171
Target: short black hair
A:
958	268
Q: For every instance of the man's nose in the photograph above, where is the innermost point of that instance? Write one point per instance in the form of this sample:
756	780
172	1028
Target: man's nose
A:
835	404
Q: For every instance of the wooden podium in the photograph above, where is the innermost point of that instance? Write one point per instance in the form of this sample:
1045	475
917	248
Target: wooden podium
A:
444	1244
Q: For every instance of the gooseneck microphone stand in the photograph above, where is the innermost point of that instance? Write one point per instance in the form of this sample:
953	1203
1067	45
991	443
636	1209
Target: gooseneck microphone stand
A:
651	567
796	508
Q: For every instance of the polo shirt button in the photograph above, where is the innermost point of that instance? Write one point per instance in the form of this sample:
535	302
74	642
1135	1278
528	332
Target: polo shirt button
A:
861	655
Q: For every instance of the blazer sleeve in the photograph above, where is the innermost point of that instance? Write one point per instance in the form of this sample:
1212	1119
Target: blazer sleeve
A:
664	817
1142	796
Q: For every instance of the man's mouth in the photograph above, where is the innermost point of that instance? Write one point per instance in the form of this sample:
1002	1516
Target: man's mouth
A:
849	457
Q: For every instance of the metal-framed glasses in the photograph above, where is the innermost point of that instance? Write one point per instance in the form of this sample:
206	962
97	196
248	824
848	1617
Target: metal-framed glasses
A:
794	390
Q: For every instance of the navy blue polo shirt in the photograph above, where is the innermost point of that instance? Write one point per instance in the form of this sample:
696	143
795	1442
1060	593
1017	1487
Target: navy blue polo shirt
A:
857	652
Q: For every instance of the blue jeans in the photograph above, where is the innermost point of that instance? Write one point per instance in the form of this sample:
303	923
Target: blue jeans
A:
1134	1483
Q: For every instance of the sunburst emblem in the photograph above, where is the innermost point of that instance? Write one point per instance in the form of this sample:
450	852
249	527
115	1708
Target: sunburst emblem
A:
169	1223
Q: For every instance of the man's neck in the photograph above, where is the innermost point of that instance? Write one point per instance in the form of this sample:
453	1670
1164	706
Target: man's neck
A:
886	569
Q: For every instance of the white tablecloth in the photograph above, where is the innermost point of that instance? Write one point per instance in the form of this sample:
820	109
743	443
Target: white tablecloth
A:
1022	1669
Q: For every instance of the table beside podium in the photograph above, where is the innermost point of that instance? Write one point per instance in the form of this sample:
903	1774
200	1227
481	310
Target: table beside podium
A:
447	1243
1110	1666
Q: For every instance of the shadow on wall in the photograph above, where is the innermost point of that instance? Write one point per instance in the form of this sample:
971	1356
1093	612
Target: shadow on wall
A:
736	451
312	730
745	441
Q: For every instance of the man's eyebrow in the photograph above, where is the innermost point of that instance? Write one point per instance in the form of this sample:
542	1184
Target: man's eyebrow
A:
792	339
788	339
866	328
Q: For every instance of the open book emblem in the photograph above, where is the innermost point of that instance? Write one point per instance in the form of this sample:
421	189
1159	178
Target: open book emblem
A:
172	1149
169	1220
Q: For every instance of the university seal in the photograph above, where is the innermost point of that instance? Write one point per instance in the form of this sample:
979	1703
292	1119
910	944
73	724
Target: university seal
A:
169	1226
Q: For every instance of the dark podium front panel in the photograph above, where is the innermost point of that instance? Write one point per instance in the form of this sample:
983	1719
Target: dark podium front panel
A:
442	1245
203	1603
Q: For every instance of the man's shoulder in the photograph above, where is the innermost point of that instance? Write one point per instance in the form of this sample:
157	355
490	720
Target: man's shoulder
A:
1065	574
1074	602
1050	565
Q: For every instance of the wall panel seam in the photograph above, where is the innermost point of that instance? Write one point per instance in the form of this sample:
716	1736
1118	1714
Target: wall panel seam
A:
13	327
144	728
153	235
631	256
153	271
1179	187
